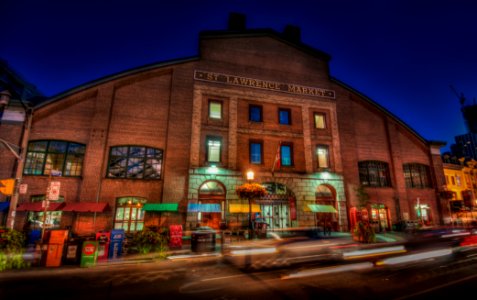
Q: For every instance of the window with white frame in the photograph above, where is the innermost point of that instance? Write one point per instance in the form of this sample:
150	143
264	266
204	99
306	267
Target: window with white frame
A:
322	156
215	110
214	146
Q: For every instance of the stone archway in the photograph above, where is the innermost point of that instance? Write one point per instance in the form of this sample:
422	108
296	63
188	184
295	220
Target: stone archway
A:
326	195
212	192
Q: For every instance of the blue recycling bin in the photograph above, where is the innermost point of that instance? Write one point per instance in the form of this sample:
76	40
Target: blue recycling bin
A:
116	243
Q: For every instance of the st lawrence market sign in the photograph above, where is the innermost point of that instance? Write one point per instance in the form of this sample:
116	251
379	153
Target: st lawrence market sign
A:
264	84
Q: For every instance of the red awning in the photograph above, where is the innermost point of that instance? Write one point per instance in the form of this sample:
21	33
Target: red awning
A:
86	207
36	206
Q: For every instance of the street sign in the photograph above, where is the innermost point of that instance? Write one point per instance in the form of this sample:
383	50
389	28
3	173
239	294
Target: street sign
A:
54	191
55	173
23	188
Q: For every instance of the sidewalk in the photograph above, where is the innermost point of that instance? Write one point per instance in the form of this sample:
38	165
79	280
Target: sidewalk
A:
185	252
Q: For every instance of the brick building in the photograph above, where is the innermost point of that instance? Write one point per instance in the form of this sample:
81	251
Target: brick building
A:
169	143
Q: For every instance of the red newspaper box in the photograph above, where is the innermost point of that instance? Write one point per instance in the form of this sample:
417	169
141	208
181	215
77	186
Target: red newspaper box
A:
103	238
175	236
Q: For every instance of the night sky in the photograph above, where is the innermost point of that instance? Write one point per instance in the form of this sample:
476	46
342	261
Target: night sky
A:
403	54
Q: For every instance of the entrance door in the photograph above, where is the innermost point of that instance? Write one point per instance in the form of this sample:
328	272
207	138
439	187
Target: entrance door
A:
275	205
324	195
212	192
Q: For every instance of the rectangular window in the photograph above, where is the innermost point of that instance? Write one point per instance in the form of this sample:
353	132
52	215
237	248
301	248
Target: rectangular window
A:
286	155
322	156
416	176
255	152
284	116
374	173
457	180
215	110
255	113
319	121
213	149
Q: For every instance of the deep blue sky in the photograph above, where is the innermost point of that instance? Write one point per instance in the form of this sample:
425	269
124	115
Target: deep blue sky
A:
403	54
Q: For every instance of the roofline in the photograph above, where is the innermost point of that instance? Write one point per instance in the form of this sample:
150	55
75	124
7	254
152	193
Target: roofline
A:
264	32
384	110
107	78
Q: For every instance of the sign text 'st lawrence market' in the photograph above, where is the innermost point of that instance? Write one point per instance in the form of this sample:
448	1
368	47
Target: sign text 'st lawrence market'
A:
263	84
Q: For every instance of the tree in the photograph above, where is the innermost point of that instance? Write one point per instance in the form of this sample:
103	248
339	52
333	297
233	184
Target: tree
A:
363	232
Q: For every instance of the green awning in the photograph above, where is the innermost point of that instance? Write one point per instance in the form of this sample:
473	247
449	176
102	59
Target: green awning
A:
160	207
320	208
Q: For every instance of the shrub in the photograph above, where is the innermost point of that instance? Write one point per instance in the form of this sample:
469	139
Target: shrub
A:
11	250
149	240
364	233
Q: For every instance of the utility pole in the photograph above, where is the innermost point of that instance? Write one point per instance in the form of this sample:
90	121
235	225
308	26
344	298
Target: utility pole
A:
21	156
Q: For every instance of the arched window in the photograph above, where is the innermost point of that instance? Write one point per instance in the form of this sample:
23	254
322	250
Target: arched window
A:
44	156
129	214
374	173
210	189
417	176
135	162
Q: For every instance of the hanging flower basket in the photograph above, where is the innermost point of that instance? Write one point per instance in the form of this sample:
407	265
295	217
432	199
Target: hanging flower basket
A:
250	191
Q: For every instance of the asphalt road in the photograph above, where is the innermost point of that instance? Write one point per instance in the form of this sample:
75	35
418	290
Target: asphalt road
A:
211	278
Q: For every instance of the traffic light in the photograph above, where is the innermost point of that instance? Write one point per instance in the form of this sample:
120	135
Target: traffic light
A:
7	186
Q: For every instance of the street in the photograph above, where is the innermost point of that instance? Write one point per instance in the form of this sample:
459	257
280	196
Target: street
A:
212	278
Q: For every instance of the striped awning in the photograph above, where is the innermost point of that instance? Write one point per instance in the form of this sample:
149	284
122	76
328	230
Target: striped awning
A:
204	207
159	207
320	208
243	208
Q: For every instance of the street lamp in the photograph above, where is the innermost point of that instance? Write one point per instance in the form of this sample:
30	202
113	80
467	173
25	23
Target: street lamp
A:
250	177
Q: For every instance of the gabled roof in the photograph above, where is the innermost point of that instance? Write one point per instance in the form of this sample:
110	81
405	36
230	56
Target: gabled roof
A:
385	111
265	32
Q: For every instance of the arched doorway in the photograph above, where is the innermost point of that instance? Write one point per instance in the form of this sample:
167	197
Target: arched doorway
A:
212	192
325	196
278	206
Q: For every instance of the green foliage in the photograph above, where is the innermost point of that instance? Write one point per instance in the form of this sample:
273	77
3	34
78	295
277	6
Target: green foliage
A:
363	197
11	250
149	240
364	233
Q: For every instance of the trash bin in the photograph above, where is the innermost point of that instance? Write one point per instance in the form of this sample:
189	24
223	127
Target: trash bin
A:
116	243
203	240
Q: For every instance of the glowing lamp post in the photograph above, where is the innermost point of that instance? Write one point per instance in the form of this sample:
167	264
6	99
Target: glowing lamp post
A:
250	191
250	177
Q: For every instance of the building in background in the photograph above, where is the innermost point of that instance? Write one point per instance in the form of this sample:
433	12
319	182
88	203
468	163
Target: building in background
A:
461	187
169	143
12	125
